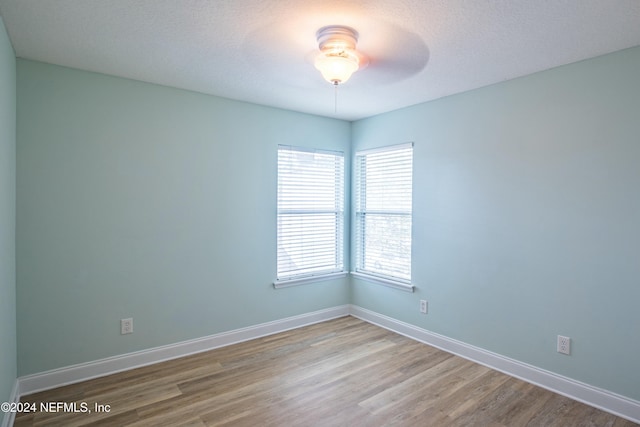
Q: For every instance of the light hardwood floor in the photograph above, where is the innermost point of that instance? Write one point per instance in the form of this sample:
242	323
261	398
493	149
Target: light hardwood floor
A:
343	372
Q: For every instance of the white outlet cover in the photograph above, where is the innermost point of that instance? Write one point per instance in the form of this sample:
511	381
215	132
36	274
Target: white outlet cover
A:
126	326
564	345
424	306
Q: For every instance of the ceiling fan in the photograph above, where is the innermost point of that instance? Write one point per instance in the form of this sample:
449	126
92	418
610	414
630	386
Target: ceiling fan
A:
304	51
339	57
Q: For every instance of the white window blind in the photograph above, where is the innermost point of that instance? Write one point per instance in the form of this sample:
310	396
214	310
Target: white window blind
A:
310	212
383	198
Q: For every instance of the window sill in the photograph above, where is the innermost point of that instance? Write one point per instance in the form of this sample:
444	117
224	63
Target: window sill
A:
384	282
279	284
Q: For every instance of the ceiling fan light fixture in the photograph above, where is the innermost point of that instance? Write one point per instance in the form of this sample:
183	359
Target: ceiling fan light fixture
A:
336	68
338	58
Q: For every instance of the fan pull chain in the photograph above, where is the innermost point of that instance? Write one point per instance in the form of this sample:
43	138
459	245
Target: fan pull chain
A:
335	97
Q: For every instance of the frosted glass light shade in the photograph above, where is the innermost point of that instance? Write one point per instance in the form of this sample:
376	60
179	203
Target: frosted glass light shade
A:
337	67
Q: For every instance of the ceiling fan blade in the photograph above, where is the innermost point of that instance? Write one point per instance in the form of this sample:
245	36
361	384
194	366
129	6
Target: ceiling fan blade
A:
390	62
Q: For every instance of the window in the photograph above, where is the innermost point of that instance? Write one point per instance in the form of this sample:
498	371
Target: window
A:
310	214
383	187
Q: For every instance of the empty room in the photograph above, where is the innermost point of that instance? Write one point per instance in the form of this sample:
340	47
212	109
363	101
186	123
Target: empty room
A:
319	213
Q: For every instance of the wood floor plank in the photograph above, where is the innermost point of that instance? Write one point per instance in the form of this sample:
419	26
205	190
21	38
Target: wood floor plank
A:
394	395
344	372
429	399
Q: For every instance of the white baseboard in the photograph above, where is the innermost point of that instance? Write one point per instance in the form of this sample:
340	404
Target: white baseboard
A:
9	417
602	399
72	374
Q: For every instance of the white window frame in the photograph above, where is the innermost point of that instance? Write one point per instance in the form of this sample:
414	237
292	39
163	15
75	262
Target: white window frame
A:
396	272
310	211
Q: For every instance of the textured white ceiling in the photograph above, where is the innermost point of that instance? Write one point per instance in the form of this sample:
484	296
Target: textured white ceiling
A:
259	50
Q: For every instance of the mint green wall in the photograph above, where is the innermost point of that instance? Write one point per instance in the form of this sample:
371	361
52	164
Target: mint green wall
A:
136	200
527	218
7	216
132	199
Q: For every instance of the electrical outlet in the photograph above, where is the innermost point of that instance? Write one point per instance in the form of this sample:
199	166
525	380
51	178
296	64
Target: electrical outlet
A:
126	326
564	345
424	306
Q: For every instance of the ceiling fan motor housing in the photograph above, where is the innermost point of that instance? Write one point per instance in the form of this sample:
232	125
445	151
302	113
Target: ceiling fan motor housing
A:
337	37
